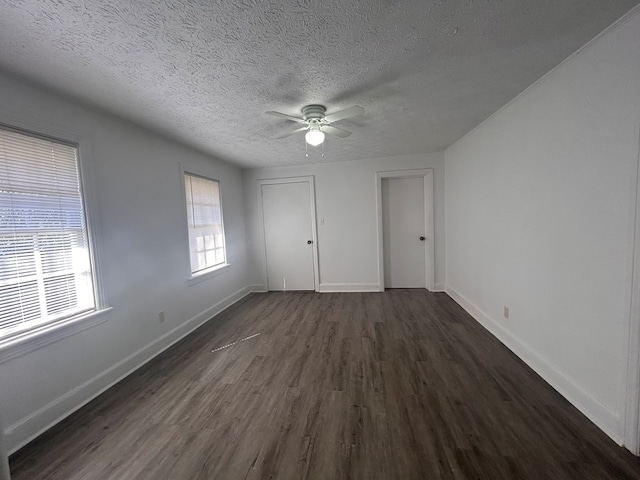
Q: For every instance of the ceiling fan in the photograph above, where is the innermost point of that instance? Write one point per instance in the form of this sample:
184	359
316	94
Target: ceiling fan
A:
316	122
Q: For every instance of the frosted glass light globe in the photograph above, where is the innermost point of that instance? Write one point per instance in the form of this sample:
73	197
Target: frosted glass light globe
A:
314	137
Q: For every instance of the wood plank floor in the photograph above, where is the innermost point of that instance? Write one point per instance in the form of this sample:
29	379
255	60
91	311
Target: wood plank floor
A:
396	385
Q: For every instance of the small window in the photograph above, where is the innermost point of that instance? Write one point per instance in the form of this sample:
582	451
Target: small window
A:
206	230
45	260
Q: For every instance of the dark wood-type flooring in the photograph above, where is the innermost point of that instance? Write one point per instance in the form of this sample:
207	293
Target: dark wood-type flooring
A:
396	385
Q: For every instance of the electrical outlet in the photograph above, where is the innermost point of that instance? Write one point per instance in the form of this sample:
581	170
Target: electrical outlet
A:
506	312
161	317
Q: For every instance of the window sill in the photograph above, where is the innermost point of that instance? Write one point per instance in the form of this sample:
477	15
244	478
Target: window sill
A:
207	274
25	342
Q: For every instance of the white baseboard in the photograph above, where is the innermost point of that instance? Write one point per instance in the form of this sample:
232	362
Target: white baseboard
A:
258	288
33	425
348	287
439	288
602	417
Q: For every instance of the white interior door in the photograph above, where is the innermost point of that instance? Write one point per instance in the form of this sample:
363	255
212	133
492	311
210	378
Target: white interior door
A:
403	223
287	214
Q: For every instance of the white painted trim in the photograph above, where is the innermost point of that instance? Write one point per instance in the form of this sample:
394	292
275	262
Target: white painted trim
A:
427	174
632	401
310	179
439	288
33	425
89	193
258	288
209	273
602	417
4	457
37	338
348	287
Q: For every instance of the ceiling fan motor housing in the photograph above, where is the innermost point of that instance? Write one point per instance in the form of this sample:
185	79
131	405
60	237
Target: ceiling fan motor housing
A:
313	112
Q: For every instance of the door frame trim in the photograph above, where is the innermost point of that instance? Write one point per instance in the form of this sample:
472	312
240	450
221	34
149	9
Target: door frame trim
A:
429	207
314	236
631	423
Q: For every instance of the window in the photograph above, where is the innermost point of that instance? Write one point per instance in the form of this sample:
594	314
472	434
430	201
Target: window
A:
45	262
206	231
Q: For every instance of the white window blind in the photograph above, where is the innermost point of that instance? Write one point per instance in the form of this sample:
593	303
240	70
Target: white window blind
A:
45	267
204	215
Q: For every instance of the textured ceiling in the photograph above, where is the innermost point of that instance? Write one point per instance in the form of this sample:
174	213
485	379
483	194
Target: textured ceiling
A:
205	72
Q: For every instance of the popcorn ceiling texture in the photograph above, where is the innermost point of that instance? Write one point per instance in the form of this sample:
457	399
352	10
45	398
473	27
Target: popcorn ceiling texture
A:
204	72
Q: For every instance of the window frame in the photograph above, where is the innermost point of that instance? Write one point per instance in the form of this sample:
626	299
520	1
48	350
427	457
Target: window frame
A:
213	271
25	340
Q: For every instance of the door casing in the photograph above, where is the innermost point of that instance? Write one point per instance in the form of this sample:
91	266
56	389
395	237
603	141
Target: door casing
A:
427	175
314	247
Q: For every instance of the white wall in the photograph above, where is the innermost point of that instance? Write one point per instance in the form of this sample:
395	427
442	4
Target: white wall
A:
144	259
346	200
540	208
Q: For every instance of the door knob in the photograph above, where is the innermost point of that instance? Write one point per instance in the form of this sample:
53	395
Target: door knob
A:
422	239
309	242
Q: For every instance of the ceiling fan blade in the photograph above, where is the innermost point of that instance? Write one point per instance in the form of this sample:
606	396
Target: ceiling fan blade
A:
288	134
339	132
284	115
346	113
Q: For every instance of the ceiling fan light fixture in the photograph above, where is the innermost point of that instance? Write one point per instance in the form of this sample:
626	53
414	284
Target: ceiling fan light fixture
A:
314	136
317	123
